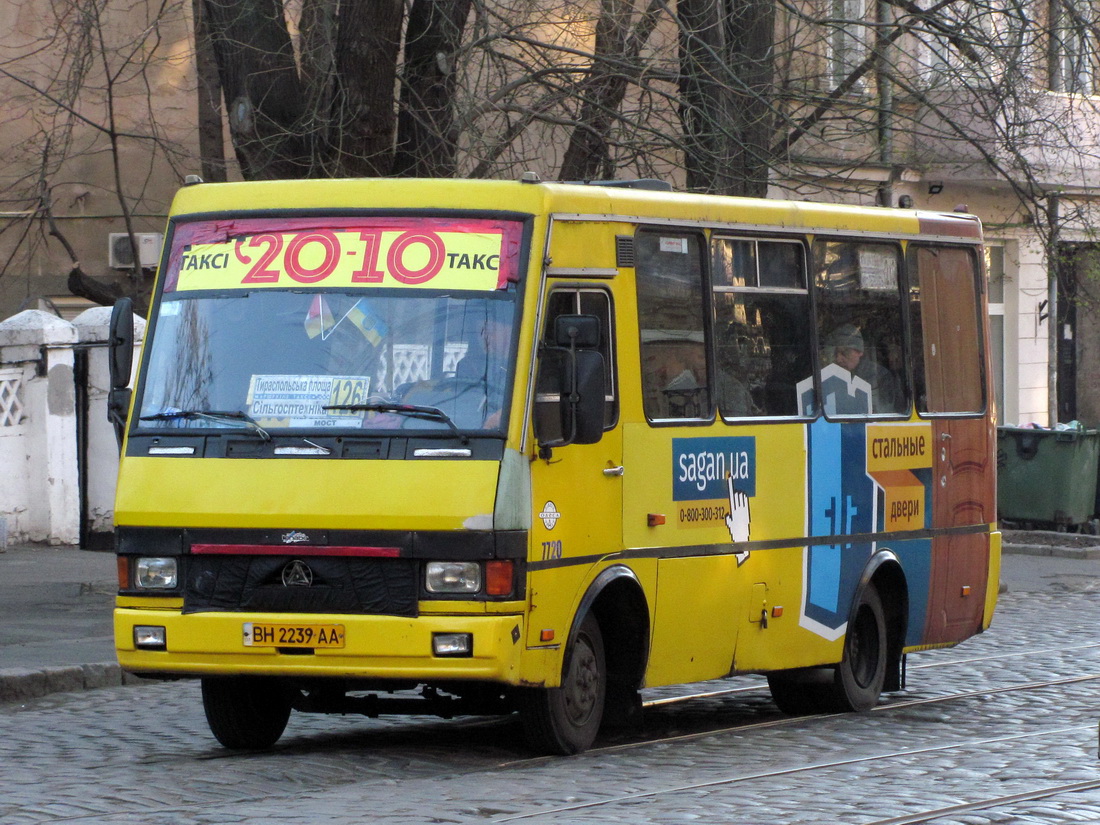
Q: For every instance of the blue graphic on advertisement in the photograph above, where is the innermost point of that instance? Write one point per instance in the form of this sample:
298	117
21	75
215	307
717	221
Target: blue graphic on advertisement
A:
845	500
840	504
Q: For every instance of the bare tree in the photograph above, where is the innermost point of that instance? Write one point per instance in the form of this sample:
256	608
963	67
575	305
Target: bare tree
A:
81	122
716	95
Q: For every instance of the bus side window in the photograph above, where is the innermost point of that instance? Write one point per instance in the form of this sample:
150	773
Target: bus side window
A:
576	301
672	322
859	324
762	338
947	331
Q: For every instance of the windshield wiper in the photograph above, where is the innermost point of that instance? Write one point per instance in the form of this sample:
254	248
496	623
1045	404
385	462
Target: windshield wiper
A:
411	410
212	415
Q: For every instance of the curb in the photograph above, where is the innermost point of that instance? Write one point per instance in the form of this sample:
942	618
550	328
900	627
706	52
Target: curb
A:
1048	550
19	684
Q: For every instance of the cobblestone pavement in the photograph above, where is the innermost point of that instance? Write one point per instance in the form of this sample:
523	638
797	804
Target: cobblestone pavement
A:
142	754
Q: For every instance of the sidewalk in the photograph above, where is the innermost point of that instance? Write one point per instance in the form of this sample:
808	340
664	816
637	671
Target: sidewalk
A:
56	602
55	621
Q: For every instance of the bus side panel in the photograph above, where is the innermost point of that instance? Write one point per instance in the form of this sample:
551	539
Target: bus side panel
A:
712	591
699	612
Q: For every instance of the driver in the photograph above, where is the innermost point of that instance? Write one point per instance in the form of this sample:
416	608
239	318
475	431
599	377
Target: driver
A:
487	366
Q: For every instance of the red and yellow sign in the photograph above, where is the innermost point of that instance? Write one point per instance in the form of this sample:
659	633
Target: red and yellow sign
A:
474	255
893	452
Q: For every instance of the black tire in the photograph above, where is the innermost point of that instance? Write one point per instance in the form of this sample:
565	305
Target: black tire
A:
853	685
565	720
622	707
862	672
246	713
802	692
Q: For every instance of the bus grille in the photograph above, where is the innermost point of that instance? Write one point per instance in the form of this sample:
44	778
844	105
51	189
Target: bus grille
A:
311	584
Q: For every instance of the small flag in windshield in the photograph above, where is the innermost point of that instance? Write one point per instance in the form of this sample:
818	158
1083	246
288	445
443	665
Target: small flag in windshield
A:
374	329
319	318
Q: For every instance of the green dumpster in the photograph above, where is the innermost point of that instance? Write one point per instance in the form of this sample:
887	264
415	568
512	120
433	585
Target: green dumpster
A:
1047	477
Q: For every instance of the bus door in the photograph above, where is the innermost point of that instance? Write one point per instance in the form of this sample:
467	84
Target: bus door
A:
576	488
947	328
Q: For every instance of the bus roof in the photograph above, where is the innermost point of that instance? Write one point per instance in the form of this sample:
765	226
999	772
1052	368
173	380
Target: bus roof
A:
577	200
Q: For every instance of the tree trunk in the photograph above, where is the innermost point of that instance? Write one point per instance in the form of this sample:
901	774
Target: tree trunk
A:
602	92
750	28
367	47
725	76
426	140
259	79
209	100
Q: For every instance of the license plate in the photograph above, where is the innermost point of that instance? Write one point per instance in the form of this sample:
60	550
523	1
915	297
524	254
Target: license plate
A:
264	634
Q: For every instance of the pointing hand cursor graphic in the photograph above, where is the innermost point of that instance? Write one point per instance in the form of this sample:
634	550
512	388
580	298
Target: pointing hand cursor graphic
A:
738	519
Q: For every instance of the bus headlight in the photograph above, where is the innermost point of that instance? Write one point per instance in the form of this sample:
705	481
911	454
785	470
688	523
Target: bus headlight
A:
452	644
452	577
156	572
150	637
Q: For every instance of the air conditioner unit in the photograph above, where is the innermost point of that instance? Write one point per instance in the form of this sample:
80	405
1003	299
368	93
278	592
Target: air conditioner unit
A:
121	256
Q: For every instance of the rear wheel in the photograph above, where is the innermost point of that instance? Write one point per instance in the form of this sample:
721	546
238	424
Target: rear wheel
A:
565	720
853	685
246	713
862	671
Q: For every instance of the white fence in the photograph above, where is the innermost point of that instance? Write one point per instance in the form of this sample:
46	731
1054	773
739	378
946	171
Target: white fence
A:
58	454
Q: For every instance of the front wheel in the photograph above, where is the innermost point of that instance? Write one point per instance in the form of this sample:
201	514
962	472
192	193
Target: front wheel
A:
246	713
565	720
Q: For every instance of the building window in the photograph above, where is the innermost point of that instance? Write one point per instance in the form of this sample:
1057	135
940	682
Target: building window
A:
1073	47
978	45
995	266
847	46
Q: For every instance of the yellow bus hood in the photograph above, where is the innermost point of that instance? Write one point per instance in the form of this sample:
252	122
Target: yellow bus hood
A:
277	493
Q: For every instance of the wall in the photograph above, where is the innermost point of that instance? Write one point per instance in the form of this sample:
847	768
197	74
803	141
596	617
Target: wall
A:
43	462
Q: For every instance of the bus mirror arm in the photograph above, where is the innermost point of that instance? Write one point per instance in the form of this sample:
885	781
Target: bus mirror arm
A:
586	396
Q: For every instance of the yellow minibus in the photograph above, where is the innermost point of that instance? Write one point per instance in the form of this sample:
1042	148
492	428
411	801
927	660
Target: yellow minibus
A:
457	446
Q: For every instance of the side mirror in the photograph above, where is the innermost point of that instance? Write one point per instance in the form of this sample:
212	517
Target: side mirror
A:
120	343
569	406
586	404
577	331
120	360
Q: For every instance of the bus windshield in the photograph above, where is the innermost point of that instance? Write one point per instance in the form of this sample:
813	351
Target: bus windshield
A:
309	353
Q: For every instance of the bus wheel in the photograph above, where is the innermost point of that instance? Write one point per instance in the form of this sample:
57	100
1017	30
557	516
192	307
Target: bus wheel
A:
862	671
565	720
246	713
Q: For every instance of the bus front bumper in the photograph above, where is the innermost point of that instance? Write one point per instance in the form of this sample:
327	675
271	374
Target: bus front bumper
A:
371	647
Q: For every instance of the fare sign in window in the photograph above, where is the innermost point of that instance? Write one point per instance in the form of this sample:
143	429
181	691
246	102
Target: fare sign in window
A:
434	254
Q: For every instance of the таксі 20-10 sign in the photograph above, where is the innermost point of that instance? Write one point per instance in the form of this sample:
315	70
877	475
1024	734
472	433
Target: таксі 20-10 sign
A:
477	255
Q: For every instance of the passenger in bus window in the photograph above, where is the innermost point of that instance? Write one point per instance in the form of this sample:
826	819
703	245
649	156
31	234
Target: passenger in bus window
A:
849	353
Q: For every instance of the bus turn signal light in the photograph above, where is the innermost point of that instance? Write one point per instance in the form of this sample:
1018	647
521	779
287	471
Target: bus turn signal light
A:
498	578
655	519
